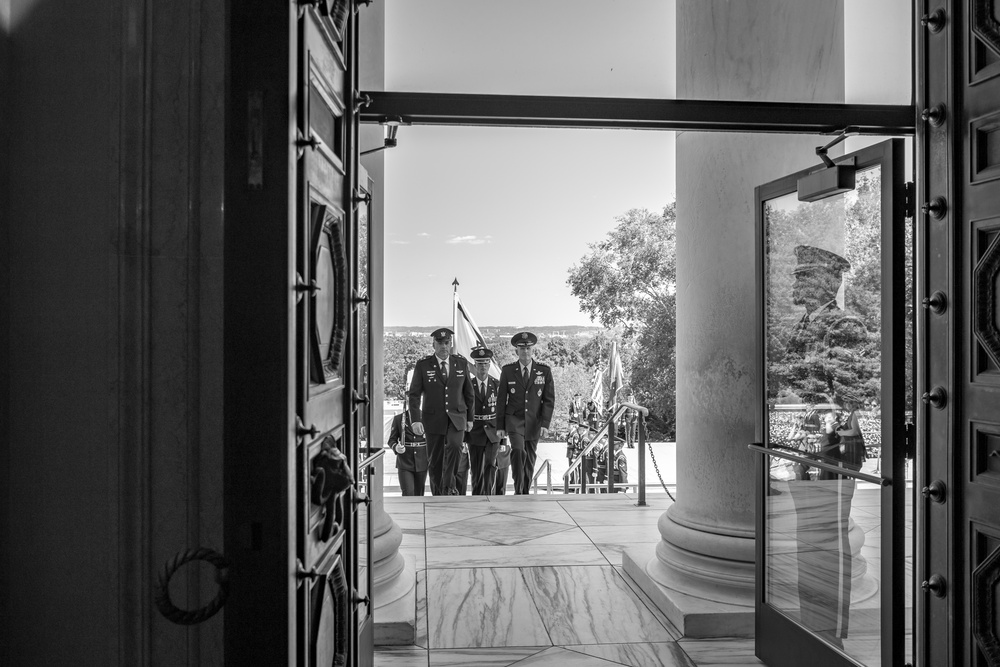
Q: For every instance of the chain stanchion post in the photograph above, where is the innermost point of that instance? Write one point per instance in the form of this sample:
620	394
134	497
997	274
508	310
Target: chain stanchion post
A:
610	451
642	461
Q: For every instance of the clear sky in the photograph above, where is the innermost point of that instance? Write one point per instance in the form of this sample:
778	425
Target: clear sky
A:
508	211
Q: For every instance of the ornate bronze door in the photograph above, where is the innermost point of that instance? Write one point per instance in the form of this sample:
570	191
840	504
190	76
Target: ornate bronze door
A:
958	556
296	323
834	586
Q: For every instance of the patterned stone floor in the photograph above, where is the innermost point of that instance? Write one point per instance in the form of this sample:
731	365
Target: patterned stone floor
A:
537	581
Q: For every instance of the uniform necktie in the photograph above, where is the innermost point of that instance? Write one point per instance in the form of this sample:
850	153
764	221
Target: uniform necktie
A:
444	370
524	373
482	388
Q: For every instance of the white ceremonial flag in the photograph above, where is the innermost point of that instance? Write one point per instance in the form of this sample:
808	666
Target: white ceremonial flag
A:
468	336
597	394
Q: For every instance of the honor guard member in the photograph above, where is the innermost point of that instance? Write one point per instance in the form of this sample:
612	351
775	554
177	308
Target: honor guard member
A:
483	439
524	408
441	401
411	455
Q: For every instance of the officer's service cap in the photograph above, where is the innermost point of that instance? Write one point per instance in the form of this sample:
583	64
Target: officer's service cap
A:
809	257
444	333
481	354
524	339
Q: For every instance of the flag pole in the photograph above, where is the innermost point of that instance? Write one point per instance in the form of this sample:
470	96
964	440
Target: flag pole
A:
454	306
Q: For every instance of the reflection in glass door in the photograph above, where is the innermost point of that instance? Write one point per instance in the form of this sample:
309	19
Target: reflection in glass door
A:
834	575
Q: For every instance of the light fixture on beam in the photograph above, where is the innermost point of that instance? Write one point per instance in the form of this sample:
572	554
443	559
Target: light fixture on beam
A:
391	126
833	179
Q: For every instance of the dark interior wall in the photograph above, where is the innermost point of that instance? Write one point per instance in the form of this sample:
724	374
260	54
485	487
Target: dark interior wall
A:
61	490
5	94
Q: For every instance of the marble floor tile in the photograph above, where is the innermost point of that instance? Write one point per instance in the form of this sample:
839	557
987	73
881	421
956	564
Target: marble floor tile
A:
634	517
514	556
615	534
420	632
662	654
477	607
590	605
414	657
557	515
561	657
404	505
437	538
435	517
502	528
573	535
418	553
482	657
409	521
613	503
718	652
650	605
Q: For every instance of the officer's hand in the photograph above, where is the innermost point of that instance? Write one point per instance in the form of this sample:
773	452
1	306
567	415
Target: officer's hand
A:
418	428
501	433
468	426
545	432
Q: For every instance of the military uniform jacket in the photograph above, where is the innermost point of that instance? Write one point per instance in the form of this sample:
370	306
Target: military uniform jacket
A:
442	402
484	425
525	408
415	456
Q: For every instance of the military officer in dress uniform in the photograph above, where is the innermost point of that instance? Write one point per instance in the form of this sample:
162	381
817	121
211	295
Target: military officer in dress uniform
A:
829	349
483	440
411	455
502	465
441	402
524	407
462	473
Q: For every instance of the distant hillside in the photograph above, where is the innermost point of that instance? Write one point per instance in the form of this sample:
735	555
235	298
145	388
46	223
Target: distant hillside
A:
541	331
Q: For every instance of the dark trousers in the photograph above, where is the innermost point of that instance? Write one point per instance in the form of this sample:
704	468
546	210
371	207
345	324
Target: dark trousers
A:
443	452
823	554
412	483
462	475
500	483
522	460
482	465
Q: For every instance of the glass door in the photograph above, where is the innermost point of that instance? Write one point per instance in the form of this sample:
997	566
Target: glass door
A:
834	289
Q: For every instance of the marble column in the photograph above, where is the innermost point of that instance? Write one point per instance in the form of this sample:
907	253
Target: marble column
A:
702	571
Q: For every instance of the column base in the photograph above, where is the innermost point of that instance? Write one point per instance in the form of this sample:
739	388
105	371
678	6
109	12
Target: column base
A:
396	620
693	616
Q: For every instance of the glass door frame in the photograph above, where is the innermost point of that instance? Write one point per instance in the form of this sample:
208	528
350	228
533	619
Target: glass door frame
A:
779	639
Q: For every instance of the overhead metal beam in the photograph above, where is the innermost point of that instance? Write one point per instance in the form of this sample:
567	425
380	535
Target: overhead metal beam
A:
639	114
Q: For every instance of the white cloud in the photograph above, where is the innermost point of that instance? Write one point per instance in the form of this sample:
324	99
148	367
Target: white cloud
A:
400	242
423	234
471	240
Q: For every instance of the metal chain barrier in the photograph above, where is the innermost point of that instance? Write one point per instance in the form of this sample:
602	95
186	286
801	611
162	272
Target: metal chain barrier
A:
657	469
161	594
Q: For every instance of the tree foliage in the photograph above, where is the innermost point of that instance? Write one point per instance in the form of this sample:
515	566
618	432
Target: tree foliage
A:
627	282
